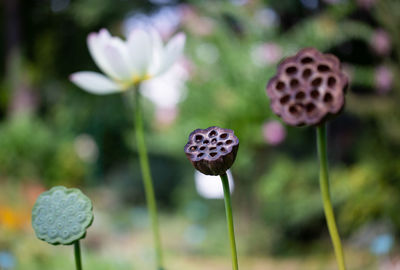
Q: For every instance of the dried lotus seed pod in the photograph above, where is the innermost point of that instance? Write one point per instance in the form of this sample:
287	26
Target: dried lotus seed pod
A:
308	88
62	215
212	151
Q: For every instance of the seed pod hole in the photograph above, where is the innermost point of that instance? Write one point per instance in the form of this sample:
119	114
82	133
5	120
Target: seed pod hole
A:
285	99
213	154
212	134
316	82
193	148
198	138
280	86
223	136
314	94
307	60
300	95
307	73
291	70
323	68
310	107
214	141
206	142
200	155
202	148
223	149
328	98
295	109
228	142
331	81
220	143
212	148
294	83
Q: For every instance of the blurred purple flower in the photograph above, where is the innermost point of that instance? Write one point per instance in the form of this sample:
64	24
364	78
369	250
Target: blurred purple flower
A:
274	132
332	2
381	42
383	79
366	3
165	20
267	17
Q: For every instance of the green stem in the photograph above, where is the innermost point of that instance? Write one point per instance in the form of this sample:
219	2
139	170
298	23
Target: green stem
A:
77	252
229	219
147	180
326	197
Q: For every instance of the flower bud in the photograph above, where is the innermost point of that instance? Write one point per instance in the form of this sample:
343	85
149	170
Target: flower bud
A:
212	151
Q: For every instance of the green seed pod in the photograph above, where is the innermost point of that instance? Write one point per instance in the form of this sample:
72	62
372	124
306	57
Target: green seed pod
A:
61	215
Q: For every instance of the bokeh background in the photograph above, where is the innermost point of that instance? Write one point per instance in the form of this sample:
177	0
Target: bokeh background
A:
52	133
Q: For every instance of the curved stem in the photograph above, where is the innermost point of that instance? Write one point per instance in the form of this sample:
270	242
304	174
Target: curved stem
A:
326	197
77	252
229	219
147	180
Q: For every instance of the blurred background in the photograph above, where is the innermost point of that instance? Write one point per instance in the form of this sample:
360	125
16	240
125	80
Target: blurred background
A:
53	133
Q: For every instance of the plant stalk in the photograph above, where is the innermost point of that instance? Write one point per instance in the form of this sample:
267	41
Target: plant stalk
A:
326	197
77	252
229	219
147	179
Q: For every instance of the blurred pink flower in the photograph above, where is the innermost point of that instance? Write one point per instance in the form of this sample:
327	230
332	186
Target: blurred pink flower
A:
274	132
383	79
266	54
197	24
166	116
381	42
141	57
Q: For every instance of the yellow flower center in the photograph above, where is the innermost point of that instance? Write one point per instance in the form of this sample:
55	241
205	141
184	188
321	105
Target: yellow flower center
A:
134	81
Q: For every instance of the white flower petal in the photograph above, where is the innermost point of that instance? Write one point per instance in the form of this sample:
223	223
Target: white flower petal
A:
157	52
96	43
210	187
172	52
94	83
140	51
116	53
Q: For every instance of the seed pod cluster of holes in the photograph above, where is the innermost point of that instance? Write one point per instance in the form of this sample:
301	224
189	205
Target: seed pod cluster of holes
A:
62	215
308	88
212	151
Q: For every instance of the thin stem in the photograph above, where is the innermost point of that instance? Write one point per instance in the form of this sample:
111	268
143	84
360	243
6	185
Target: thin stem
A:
326	197
77	252
229	219
147	180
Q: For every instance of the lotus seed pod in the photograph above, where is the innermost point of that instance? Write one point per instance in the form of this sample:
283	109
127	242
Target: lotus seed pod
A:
62	215
308	88
212	151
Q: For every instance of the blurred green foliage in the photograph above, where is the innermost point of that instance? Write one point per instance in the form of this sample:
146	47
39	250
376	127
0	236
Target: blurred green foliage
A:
277	188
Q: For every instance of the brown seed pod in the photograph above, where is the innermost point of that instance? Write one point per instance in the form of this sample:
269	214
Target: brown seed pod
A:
308	88
212	151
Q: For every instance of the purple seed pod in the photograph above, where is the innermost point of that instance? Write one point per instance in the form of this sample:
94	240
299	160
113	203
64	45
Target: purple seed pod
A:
308	88
212	151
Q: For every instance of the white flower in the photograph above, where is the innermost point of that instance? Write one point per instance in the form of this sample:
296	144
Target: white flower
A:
167	90
141	57
210	187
